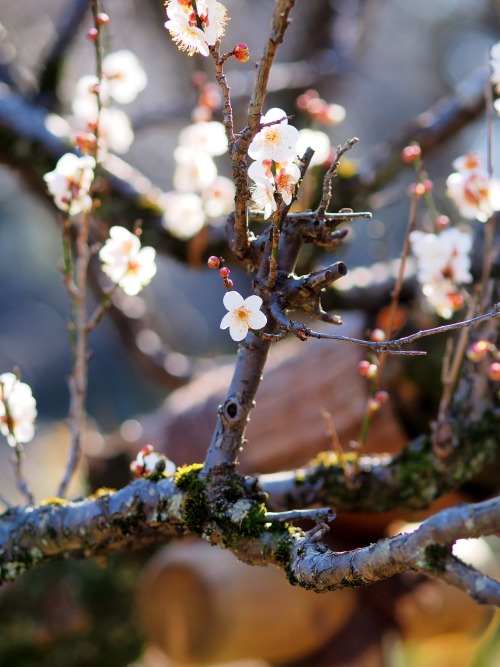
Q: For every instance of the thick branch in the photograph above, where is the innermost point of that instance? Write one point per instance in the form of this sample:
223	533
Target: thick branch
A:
427	550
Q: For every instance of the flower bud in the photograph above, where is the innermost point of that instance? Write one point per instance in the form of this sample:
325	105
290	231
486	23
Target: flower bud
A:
377	336
494	371
381	397
363	367
477	351
228	284
101	19
442	222
224	272
372	406
213	262
92	34
410	154
241	53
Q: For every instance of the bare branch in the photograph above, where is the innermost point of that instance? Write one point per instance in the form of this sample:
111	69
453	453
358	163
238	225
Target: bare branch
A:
427	550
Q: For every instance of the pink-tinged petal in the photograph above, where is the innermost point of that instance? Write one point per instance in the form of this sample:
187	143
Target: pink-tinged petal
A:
257	320
253	302
233	300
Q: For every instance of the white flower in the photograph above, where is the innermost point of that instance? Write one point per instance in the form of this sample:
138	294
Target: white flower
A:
205	136
17	410
115	130
467	163
475	194
263	196
84	104
184	31
146	460
276	142
70	183
184	215
443	263
194	171
318	141
125	262
214	18
443	296
244	314
286	179
125	76
446	253
218	198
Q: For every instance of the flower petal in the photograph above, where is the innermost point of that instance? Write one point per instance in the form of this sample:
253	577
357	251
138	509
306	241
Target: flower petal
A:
233	300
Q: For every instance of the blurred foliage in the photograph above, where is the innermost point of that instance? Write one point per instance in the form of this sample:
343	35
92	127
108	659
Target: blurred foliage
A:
71	614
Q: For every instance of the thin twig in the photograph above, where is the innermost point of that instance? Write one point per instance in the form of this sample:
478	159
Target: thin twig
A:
298	515
330	175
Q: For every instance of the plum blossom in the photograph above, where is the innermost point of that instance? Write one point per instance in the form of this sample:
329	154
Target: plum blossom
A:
218	198
146	460
195	170
17	410
84	104
244	314
443	296
125	262
475	194
318	141
286	179
263	196
183	213
124	75
446	253
205	136
443	263
115	130
70	183
183	27
275	142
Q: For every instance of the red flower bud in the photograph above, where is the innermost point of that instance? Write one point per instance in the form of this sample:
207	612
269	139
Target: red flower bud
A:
92	34
213	262
494	371
241	53
101	19
410	154
224	272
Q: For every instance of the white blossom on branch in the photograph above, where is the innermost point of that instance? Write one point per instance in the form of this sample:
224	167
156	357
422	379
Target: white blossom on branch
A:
125	262
70	183
17	410
244	314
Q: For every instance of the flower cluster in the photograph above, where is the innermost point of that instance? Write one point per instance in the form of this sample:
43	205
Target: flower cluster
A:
95	120
200	192
274	171
475	193
17	410
125	262
443	263
70	183
149	461
195	34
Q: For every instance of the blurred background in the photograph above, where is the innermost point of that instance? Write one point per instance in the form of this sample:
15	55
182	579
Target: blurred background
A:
386	62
